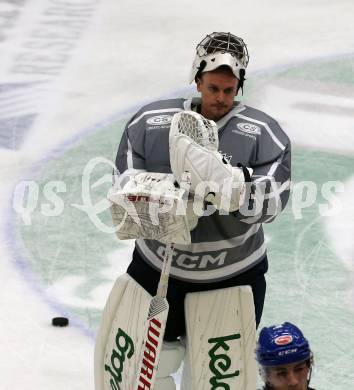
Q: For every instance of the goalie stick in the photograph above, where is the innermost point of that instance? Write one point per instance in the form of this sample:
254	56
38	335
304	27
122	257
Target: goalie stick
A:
155	328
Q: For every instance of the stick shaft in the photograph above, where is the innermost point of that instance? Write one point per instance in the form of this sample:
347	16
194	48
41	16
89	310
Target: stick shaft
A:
155	328
165	271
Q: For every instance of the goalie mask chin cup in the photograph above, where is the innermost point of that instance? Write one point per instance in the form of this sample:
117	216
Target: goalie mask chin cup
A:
220	49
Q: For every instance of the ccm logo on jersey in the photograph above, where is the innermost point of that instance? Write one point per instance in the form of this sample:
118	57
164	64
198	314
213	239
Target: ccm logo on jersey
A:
159	120
185	261
249	128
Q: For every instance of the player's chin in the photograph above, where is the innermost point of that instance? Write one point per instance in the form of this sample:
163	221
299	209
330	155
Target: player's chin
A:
219	112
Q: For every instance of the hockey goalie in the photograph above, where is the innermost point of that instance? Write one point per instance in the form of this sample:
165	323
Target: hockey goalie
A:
130	351
193	192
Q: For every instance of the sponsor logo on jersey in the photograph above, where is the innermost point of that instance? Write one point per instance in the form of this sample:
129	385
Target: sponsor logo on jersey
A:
249	128
159	120
283	340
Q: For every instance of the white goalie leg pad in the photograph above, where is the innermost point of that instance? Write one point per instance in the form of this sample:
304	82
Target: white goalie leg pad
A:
221	340
171	358
120	336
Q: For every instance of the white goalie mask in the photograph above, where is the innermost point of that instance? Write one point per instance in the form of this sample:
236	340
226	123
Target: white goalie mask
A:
218	49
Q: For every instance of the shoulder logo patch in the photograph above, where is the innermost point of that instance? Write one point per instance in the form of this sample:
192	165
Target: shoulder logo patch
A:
249	128
159	120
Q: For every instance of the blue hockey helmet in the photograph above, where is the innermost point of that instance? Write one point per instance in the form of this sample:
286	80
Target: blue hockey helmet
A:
282	344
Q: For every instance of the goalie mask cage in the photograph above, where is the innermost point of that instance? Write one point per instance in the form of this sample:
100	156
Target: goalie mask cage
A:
224	43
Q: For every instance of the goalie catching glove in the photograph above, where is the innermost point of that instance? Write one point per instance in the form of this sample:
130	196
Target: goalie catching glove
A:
194	146
153	206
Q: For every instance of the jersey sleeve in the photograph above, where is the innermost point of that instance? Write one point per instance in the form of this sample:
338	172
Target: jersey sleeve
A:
268	192
130	158
142	147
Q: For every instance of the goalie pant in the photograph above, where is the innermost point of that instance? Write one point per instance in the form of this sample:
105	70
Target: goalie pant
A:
223	246
148	278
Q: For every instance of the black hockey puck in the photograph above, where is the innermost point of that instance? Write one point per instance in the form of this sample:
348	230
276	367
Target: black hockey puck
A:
60	321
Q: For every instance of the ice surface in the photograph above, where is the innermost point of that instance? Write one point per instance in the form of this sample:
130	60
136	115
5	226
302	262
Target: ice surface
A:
83	65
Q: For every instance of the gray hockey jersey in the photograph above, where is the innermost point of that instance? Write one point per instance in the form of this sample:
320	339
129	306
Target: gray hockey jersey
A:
222	245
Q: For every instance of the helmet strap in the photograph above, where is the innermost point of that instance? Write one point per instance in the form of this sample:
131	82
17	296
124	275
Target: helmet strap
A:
242	79
200	69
